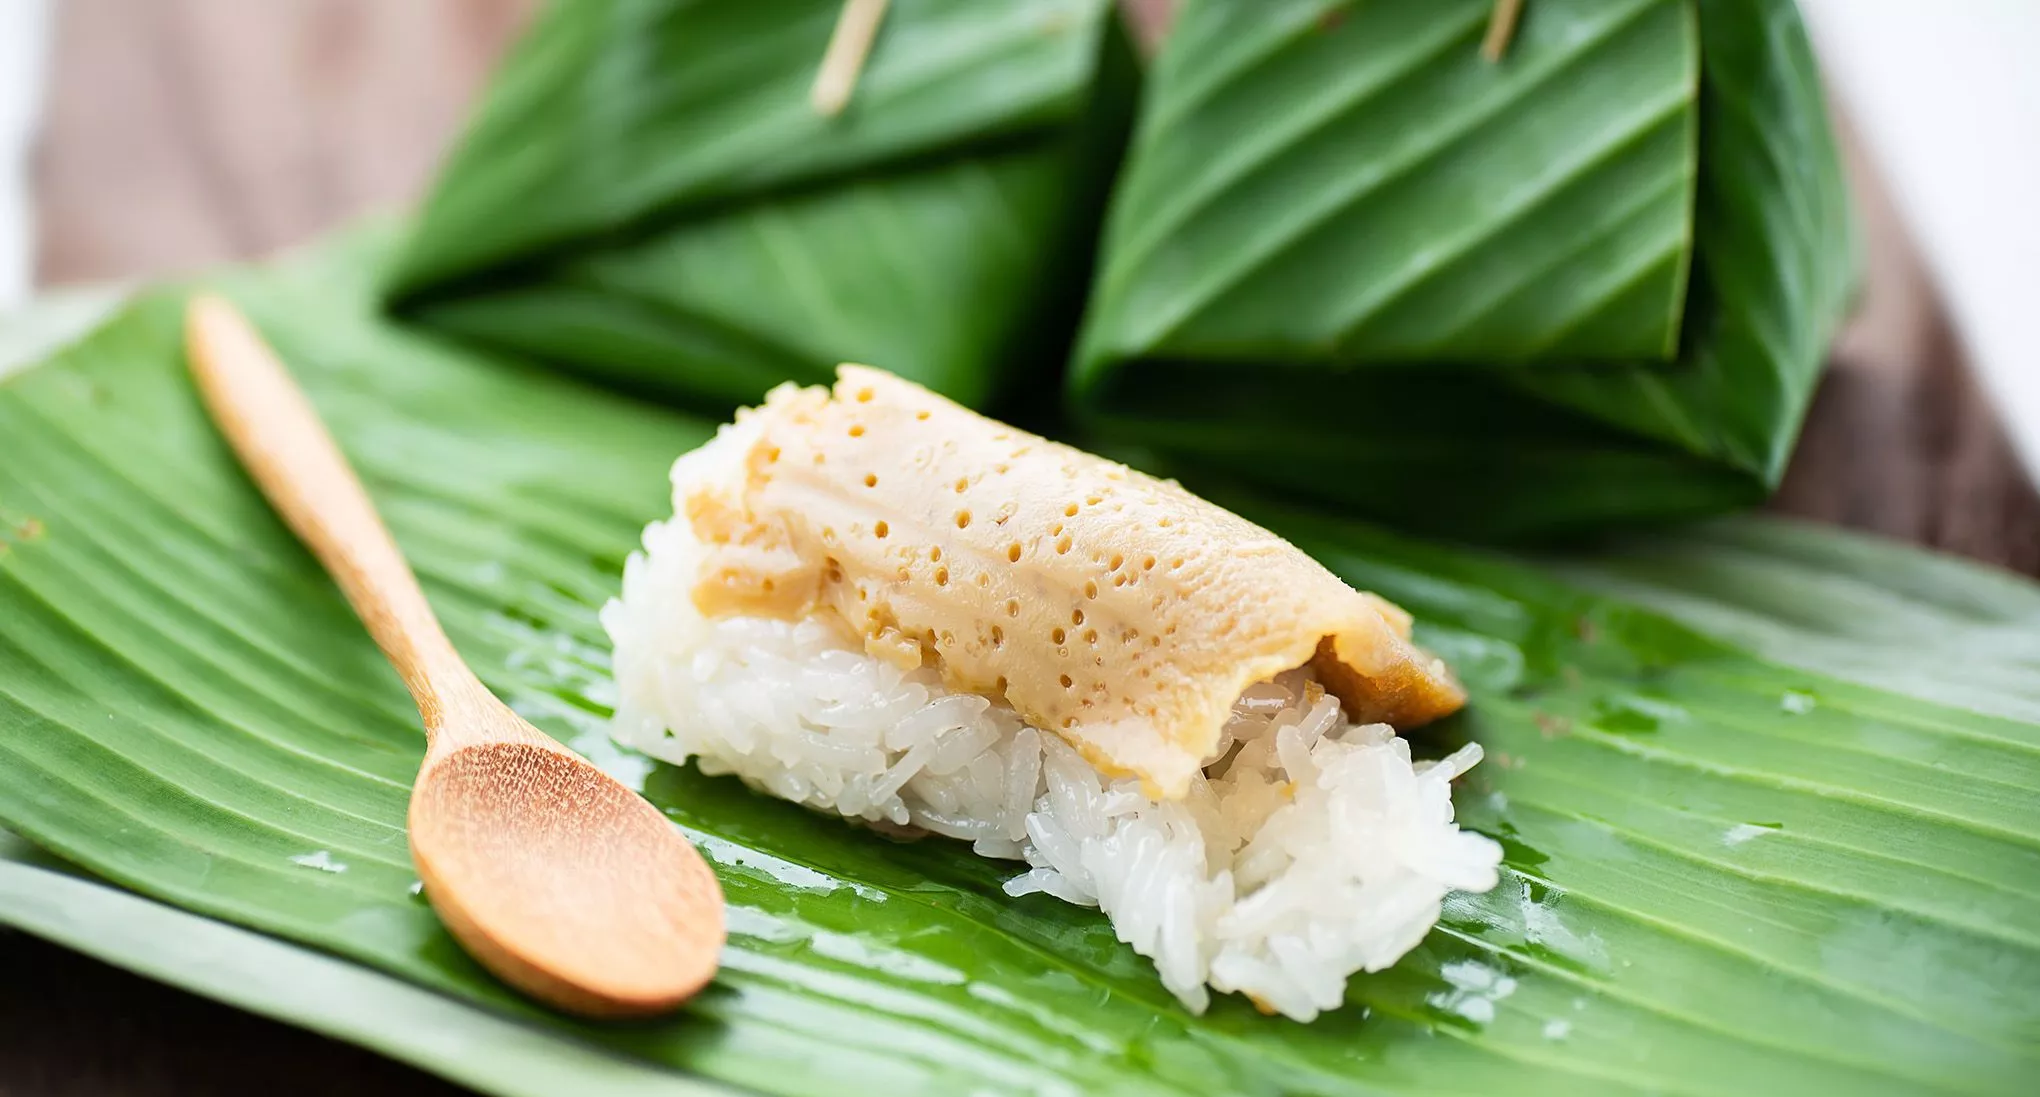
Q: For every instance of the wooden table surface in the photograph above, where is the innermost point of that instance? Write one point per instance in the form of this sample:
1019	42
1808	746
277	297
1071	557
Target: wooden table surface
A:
182	133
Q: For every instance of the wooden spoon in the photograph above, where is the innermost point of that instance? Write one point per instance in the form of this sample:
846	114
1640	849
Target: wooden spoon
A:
563	882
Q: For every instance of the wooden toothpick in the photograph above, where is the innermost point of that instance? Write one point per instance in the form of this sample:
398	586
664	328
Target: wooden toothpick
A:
849	45
1501	27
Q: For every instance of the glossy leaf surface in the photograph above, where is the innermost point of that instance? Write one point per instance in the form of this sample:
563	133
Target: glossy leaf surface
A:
1728	871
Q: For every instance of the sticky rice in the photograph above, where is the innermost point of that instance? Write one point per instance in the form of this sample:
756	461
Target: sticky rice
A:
1302	847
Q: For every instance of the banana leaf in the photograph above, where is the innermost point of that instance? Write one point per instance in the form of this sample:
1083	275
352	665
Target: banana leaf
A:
647	196
1587	286
307	988
1744	857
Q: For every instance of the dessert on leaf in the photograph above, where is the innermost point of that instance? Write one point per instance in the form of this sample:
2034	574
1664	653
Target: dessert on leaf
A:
873	601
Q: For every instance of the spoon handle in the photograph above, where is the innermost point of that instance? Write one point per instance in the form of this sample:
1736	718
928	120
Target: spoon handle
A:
291	457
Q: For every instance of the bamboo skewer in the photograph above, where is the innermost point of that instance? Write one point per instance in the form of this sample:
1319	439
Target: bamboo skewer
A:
1500	28
843	61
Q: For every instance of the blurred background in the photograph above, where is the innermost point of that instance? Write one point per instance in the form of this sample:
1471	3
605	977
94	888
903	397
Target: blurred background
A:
140	138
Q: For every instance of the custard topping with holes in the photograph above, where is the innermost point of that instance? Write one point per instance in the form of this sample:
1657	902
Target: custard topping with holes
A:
1119	610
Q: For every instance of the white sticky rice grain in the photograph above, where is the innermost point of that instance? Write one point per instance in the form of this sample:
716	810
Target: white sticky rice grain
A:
1310	848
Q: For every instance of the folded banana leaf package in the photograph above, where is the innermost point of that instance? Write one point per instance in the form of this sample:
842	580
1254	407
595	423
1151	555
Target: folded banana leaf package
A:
649	196
1589	284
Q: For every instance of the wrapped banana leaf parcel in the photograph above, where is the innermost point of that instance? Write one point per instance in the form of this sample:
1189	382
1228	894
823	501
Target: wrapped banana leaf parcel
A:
648	195
1588	283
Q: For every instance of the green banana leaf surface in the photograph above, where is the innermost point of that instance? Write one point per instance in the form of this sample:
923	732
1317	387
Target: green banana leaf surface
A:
647	196
1589	285
308	988
1766	831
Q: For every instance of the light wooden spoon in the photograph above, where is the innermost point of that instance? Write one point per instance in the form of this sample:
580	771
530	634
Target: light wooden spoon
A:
563	882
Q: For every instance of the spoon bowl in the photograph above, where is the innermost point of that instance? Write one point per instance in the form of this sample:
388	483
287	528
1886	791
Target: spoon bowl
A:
564	883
